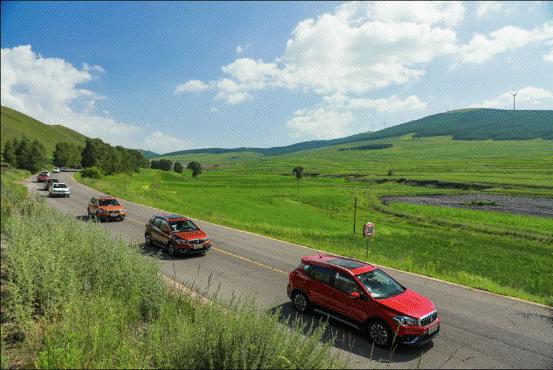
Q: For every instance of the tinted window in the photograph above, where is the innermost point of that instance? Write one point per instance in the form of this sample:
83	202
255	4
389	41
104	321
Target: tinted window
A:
345	283
322	274
164	226
379	284
185	225
108	202
157	222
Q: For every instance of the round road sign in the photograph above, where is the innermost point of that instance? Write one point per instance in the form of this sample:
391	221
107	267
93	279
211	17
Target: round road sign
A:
368	230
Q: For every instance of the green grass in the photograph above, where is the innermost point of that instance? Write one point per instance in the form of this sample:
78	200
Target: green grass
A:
72	297
494	254
16	125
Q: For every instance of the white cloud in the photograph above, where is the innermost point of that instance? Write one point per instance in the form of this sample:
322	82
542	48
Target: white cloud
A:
392	104
485	8
242	48
49	89
358	48
482	48
214	109
191	86
528	97
548	57
320	123
335	115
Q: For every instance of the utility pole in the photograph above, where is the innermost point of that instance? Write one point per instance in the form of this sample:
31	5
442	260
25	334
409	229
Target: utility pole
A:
354	214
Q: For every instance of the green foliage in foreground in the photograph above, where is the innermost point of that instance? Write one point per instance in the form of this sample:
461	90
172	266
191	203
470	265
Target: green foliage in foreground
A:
74	298
498	252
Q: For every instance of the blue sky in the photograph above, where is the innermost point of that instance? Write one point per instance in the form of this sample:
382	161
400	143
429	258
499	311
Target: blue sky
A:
179	75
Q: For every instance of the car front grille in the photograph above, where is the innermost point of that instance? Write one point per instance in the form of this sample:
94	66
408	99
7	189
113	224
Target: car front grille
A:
428	319
197	241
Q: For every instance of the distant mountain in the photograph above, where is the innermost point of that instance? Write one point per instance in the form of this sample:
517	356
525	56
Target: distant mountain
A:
463	124
148	153
478	124
16	124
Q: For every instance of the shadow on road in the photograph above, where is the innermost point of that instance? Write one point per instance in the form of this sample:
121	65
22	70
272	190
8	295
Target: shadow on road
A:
159	253
350	339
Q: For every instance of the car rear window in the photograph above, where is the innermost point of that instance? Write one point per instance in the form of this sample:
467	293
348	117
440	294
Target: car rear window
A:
322	274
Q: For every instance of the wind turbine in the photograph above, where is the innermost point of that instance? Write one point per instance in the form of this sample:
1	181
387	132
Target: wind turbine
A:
514	99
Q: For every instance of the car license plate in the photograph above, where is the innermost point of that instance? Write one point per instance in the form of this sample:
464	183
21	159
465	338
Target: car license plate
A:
198	246
432	329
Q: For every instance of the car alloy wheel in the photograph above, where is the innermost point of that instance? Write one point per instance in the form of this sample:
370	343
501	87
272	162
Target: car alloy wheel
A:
171	249
379	333
300	302
148	239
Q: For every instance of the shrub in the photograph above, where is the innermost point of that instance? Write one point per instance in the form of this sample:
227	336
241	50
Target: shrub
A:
92	172
390	172
196	168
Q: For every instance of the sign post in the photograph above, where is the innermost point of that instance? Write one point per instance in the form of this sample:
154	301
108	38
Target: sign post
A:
368	233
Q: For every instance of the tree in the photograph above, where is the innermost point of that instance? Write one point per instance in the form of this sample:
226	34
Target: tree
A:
196	168
179	168
298	172
9	152
67	155
22	153
37	156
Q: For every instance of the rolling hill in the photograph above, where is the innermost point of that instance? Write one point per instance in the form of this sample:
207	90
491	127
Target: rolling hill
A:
464	124
16	125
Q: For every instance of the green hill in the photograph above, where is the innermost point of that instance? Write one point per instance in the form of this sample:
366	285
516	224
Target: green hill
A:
463	124
16	125
148	153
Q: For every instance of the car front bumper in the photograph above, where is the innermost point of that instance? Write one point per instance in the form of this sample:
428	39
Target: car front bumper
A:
56	194
187	250
418	336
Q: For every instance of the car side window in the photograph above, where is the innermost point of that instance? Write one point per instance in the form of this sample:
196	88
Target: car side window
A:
322	274
345	283
306	268
164	226
157	222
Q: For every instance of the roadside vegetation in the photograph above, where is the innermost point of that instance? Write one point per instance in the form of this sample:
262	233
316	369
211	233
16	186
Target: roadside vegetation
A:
72	297
499	252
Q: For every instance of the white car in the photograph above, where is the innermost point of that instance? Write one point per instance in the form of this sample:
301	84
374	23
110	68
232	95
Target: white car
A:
59	189
56	170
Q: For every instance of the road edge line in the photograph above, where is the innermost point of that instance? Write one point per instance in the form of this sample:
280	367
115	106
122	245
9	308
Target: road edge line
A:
326	252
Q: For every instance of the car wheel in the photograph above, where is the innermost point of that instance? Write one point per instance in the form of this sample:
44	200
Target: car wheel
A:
380	334
170	249
148	240
301	302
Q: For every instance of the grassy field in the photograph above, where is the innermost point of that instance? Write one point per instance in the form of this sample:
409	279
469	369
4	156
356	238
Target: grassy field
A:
16	125
72	297
476	248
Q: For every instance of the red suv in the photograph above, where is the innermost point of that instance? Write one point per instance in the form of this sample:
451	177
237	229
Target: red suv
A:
365	296
176	234
43	176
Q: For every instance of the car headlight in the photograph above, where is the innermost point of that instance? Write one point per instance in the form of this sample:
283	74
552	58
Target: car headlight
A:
181	241
406	321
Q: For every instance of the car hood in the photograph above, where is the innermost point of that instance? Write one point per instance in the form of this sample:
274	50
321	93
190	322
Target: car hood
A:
409	303
191	235
111	208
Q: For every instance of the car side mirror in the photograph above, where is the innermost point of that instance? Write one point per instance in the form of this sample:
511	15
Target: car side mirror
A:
354	295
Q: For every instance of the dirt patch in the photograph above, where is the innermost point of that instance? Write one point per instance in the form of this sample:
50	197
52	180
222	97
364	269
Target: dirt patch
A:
488	202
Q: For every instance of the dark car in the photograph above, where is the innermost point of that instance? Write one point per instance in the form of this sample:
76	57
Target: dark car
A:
176	234
362	294
49	183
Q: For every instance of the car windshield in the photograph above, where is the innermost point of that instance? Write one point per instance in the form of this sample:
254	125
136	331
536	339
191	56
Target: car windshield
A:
57	186
379	284
108	202
184	225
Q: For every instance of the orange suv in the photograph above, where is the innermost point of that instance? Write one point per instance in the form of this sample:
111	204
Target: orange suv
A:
105	208
176	234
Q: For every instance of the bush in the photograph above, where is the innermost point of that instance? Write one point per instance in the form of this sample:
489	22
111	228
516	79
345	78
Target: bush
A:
390	172
179	168
79	299
196	168
92	172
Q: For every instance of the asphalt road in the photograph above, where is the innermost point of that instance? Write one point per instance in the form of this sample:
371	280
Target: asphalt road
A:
479	330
